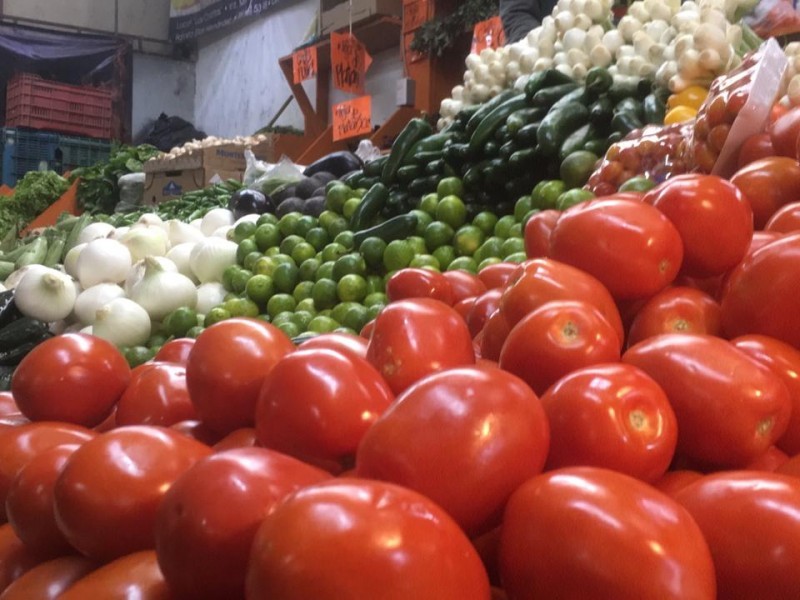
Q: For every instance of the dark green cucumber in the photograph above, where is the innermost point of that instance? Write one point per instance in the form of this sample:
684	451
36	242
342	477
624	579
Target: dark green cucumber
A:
353	180
369	207
522	117
630	88
494	120
597	146
548	96
456	155
545	79
424	185
577	95
491	149
507	149
495	172
654	109
601	111
522	161
479	115
432	142
501	136
22	331
558	125
465	114
625	121
13	356
526	137
434	167
396	228
408	173
577	140
413	132
630	105
423	158
598	81
6	373
375	167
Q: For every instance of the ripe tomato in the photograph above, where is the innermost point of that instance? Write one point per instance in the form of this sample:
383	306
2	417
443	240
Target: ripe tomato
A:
754	148
316	405
587	532
416	337
403	545
760	294
791	467
465	438
697	204
156	395
538	230
672	481
175	351
555	339
135	575
48	580
751	521
30	501
676	310
784	361
541	280
366	331
226	368
482	309
785	220
346	343
497	275
630	246
8	405
730	408
15	557
462	307
209	516
769	461
493	335
72	378
108	493
197	430
241	438
19	445
419	283
784	132
768	184
613	416
464	284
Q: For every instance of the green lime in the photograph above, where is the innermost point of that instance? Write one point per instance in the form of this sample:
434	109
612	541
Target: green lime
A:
302	252
359	192
260	289
246	246
344	238
398	255
240	279
343	329
243	230
265	265
503	226
450	186
452	210
138	355
337	226
485	221
159	339
306	305
522	207
180	320
425	261
356	317
350	207
267	236
318	238
289	242
640	183
349	263
227	276
305	224
285	277
512	245
372	249
333	251
241	307
324	294
528	215
517	257
546	192
280	303
322	324
283	317
303	290
336	196
325	271
445	255
463	263
272	251
577	167
492	260
492	247
251	259
287	222
428	203
376	298
467	240
423	220
282	258
195	331
327	217
264	317
516	231
266	218
375	284
417	244
338	311
308	268
438	234
374	310
573	197
289	328
302	318
352	288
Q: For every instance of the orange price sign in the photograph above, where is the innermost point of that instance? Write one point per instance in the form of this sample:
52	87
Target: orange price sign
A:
352	118
488	34
415	14
349	61
304	63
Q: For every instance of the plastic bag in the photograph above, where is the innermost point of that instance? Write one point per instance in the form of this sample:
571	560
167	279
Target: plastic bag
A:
654	151
367	151
254	169
131	192
774	18
737	107
277	177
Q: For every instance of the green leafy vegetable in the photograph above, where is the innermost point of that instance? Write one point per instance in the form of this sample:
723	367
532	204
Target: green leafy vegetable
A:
34	193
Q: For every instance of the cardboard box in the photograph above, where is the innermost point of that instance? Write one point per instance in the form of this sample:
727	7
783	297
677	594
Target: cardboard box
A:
225	157
160	186
335	14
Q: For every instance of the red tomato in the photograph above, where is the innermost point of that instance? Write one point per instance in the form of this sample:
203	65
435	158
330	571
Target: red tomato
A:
784	361
790	467
751	521
366	331
769	461
19	445
673	481
226	368
108	493
465	438
493	335
13	420
760	294
488	546
784	132
416	337
156	396
73	378
555	339
197	431
316	405
346	343
676	310
48	580
464	284
586	532
462	307
612	416
15	557
241	438
777	110
785	220
175	351
135	575
730	408
30	501
8	405
482	309
762	238
697	204
538	230
631	247
208	518
542	280
399	543
419	283
754	148
497	275
768	184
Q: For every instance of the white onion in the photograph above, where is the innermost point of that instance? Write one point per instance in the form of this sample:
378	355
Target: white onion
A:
13	280
214	219
95	231
179	255
136	272
209	295
123	323
145	240
160	291
94	298
180	233
71	259
47	295
210	257
103	261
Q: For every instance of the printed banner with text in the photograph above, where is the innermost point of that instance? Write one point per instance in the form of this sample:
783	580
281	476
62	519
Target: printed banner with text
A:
352	118
349	62
189	19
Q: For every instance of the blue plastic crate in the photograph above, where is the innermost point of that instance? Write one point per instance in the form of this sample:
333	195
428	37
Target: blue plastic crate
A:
25	151
82	151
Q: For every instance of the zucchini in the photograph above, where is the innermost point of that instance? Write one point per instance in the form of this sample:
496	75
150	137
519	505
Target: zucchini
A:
369	207
22	331
507	149
456	155
492	122
597	146
473	177
558	125
465	114
502	136
577	140
413	132
526	137
353	180
408	173
601	111
625	121
545	79
432	142
577	95
423	158
491	149
435	167
632	87
546	97
479	115
424	185
598	81
654	109
12	357
396	228
375	167
495	172
630	105
6	373
522	161
522	117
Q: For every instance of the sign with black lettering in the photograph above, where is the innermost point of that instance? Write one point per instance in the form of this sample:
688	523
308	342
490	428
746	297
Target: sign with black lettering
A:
352	118
349	62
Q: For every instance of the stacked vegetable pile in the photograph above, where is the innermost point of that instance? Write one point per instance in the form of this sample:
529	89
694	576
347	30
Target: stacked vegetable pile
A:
34	193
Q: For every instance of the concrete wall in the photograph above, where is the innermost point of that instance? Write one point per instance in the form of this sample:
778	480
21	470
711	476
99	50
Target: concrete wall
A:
161	85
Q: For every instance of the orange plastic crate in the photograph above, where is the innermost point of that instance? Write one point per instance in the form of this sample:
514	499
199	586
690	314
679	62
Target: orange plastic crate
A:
41	104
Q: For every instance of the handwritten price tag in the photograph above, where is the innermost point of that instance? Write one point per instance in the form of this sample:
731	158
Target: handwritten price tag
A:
304	64
352	118
488	34
349	61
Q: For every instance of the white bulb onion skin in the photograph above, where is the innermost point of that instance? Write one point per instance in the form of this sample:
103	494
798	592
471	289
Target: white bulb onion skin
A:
122	322
103	261
210	257
45	294
91	300
161	291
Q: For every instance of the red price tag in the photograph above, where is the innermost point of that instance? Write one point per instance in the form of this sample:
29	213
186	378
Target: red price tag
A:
352	118
488	34
349	61
304	64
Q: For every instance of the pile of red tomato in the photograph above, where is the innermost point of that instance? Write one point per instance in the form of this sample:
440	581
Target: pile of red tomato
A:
618	417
